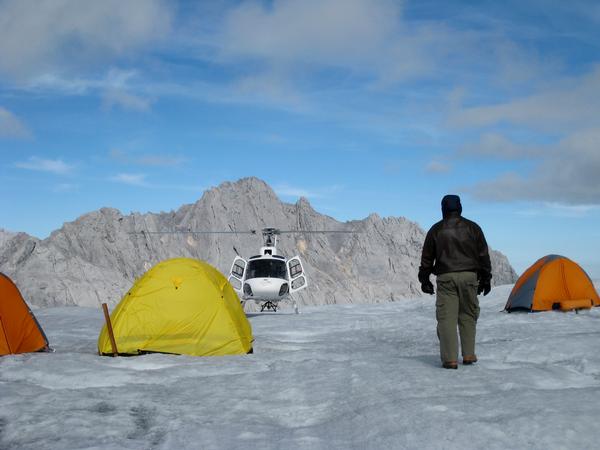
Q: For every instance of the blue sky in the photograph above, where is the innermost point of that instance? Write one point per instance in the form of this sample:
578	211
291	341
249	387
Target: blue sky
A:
359	105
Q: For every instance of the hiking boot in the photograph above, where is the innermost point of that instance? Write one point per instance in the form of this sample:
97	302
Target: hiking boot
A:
450	365
468	360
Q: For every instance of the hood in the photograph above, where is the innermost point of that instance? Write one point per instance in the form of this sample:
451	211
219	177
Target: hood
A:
451	203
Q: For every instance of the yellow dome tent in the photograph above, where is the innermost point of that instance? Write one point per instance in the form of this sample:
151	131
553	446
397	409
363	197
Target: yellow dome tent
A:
181	306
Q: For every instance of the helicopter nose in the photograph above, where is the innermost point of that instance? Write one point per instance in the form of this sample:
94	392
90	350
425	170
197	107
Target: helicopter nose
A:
264	288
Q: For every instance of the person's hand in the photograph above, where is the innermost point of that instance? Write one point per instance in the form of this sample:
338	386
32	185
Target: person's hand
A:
427	287
484	287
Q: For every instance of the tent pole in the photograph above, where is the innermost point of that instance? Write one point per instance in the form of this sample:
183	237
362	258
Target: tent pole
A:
113	343
5	336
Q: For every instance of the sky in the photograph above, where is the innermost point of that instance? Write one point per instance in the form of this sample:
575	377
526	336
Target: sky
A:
360	106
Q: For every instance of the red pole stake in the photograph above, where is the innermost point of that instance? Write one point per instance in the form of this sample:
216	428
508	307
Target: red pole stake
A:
113	343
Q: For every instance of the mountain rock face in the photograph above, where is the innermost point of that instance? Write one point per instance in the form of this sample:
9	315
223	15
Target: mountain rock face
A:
96	258
5	236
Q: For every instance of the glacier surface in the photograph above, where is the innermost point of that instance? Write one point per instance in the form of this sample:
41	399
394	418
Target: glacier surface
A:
333	377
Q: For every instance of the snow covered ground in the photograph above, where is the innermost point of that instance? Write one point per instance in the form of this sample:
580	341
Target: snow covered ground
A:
334	377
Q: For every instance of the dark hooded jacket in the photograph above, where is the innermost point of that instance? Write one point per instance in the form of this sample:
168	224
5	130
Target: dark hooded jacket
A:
455	244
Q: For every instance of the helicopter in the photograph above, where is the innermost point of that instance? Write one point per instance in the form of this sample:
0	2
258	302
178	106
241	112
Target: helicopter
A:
269	277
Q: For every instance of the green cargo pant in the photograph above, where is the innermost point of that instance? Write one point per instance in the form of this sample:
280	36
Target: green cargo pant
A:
456	304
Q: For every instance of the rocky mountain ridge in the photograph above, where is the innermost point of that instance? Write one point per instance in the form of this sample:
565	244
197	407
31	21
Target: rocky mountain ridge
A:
97	257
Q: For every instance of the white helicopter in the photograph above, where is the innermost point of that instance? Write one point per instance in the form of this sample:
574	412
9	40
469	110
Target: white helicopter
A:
266	278
269	277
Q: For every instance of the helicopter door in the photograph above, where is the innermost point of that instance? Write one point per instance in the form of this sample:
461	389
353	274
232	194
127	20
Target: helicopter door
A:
236	276
297	277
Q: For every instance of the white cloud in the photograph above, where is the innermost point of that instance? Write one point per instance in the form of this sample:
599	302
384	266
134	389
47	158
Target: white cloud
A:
568	175
125	100
11	126
56	166
114	79
160	160
267	88
560	210
364	37
39	36
323	31
286	190
140	180
115	88
515	64
63	85
495	145
132	179
437	167
147	159
65	187
563	105
565	173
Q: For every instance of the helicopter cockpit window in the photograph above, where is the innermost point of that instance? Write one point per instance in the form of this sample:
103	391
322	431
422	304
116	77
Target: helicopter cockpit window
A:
266	268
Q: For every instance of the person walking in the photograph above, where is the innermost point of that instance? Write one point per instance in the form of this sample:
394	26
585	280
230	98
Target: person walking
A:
455	250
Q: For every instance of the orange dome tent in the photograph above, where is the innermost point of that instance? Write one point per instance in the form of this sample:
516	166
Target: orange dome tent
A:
19	330
553	282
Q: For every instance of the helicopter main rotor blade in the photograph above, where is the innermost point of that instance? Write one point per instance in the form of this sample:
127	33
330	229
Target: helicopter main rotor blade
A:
192	232
318	232
271	231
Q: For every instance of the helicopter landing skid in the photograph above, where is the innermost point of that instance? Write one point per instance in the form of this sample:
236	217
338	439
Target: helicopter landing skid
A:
269	306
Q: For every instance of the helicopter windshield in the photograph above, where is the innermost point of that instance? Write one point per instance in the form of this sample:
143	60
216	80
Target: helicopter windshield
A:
266	268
